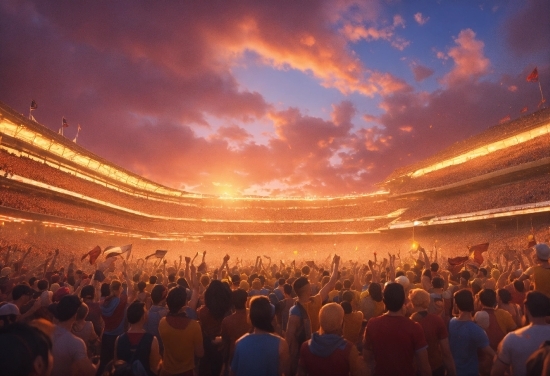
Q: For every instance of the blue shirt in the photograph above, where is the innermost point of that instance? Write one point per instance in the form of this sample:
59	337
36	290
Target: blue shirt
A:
465	338
256	354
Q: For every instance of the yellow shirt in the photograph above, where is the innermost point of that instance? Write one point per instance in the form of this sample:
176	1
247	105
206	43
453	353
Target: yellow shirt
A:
179	346
541	279
312	308
505	320
352	326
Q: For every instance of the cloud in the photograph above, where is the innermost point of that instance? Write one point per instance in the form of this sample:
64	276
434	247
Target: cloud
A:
421	72
470	62
420	19
233	133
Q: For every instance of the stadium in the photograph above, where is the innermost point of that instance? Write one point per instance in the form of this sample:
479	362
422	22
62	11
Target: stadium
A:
492	187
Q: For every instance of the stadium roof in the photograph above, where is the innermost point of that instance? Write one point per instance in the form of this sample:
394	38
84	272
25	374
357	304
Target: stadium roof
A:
493	139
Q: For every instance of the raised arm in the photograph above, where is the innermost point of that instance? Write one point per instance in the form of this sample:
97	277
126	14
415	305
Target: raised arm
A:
333	278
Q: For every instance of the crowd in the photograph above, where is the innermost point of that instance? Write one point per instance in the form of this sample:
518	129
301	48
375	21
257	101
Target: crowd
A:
394	314
199	208
526	191
516	155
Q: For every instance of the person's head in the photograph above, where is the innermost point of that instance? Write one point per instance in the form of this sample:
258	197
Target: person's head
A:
338	286
287	289
495	274
504	296
135	313
172	278
82	312
537	304
256	284
331	318
152	279
176	299
482	273
543	252
419	298
235	280
347	307
141	286
464	300
42	285
394	296
438	283
375	292
87	292
105	290
26	350
519	286
21	294
217	298
481	318
67	307
158	294
302	288
204	280
427	273
182	282
261	313
347	284
239	298
465	276
115	288
434	267
488	298
305	270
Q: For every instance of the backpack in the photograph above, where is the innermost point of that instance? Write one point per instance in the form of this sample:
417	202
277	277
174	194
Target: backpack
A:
437	305
144	347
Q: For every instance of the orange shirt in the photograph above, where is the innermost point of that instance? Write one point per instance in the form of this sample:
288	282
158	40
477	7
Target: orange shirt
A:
179	345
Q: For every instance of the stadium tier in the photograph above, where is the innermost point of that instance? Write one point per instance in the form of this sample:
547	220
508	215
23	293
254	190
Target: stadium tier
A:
501	173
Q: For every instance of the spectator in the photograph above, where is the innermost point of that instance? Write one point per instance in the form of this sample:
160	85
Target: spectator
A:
69	352
156	313
540	274
88	296
327	352
85	331
181	336
517	346
392	342
465	337
26	351
236	325
136	345
261	352
500	321
372	304
353	321
435	331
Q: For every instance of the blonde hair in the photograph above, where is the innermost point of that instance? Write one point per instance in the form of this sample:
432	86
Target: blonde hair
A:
244	285
419	298
495	274
331	317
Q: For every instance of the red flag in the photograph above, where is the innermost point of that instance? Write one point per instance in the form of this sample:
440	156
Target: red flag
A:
476	252
534	76
94	254
455	264
65	124
524	109
504	119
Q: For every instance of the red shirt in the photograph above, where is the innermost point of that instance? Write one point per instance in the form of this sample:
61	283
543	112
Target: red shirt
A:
394	341
434	331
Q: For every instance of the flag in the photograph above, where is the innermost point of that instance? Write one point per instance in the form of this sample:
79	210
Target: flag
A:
112	251
456	263
534	76
476	252
64	123
158	254
524	109
504	119
77	132
34	106
94	254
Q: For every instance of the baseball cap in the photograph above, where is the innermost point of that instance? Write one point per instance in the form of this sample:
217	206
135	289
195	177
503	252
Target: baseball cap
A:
543	251
9	309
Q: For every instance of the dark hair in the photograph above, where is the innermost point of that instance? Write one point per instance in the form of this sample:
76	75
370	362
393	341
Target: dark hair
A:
346	306
400	273
347	284
71	280
21	344
504	295
87	291
438	282
217	299
176	299
171	277
305	270
394	296
375	292
158	293
538	304
239	298
465	275
261	313
519	286
262	279
434	267
135	278
182	282
427	273
21	290
488	297
347	296
287	289
67	307
42	284
141	286
153	279
281	281
299	284
105	290
135	312
464	300
32	280
483	271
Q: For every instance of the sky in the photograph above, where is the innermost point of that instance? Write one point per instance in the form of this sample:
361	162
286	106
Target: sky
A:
279	98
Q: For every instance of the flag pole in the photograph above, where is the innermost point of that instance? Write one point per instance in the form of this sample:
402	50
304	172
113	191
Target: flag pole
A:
541	95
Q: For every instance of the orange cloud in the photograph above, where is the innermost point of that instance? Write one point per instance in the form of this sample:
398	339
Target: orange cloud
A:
470	62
